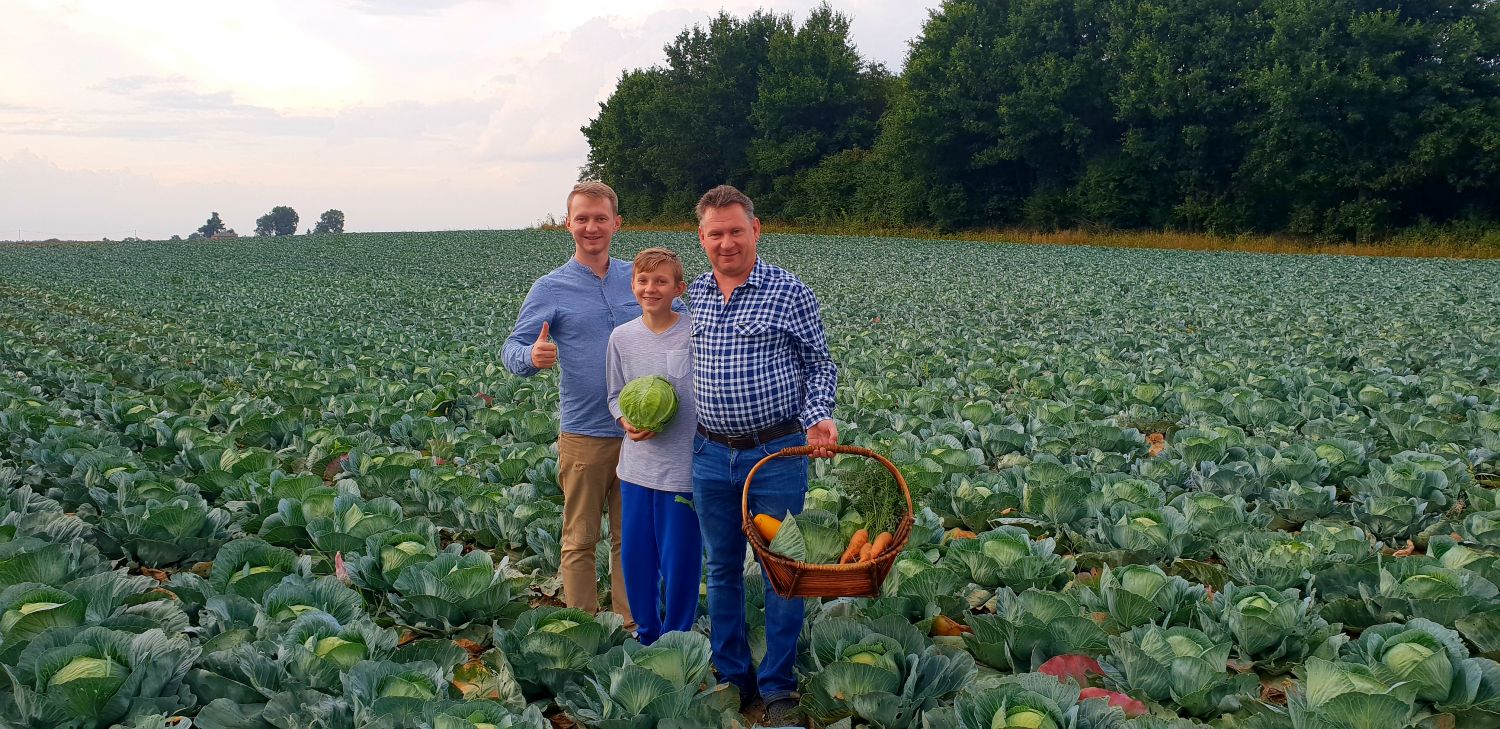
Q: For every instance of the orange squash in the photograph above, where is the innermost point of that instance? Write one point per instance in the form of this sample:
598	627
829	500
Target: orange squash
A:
767	525
946	626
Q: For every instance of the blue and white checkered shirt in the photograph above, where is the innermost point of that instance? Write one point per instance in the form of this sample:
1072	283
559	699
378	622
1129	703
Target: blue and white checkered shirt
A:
760	358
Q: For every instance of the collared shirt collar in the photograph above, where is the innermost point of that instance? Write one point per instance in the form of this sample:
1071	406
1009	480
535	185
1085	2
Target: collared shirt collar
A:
758	274
576	267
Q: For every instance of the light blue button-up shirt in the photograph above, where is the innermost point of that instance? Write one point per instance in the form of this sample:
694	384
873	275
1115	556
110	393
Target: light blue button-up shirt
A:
582	309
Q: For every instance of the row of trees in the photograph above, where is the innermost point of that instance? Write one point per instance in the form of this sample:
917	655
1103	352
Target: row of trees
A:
282	220
1340	118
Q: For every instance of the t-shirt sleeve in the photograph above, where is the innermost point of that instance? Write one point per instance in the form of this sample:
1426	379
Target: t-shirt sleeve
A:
614	374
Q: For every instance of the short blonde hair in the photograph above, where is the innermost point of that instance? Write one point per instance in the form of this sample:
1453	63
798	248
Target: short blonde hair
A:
598	191
654	258
722	197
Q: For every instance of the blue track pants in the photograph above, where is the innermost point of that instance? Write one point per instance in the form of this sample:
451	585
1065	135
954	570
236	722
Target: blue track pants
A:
661	554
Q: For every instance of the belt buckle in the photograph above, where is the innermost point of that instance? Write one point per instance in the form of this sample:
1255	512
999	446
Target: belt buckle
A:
742	442
720	438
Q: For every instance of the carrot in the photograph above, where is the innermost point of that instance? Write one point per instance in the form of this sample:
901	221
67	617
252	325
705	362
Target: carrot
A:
883	541
767	525
860	539
864	552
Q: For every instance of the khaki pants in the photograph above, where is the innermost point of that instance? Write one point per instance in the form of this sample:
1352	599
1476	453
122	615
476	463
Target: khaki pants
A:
586	472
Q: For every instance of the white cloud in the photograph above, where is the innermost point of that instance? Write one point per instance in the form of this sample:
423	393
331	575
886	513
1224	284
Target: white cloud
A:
271	54
406	7
404	114
39	200
551	97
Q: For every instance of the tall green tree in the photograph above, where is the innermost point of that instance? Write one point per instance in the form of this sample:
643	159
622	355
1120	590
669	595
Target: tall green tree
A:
715	77
282	220
626	144
1180	97
331	221
816	97
669	133
214	225
1375	114
752	101
1004	101
1344	118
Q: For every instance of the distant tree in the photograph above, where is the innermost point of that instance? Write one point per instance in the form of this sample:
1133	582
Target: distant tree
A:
815	98
697	107
214	225
195	236
176	237
636	117
759	102
1339	119
282	220
332	221
1372	116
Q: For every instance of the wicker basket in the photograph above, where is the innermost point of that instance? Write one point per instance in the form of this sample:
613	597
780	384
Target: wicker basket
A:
791	578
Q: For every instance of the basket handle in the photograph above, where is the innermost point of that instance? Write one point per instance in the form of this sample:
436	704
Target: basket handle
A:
806	450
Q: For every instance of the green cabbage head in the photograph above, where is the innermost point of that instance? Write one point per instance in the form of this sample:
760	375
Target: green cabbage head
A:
649	403
1022	717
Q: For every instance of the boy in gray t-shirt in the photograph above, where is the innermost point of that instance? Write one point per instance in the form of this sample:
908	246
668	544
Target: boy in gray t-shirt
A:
661	547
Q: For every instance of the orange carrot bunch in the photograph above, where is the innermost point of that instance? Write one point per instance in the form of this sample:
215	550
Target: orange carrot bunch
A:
856	543
863	549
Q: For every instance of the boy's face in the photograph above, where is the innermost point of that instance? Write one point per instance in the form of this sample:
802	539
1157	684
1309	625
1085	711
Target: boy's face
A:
655	289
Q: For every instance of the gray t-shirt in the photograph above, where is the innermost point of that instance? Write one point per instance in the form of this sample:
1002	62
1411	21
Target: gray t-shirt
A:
664	462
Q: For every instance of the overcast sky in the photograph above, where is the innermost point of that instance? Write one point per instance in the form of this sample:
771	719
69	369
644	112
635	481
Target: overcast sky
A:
126	117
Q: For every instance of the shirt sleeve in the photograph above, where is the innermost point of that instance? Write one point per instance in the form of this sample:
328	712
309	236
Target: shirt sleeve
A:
811	345
614	375
517	351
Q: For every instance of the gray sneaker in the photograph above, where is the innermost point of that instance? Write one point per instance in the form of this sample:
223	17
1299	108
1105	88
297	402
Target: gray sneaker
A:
783	712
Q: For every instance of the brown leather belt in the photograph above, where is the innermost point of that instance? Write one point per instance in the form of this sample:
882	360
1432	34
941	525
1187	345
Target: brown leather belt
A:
754	440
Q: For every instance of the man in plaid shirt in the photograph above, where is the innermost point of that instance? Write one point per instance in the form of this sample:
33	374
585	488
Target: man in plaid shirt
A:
764	381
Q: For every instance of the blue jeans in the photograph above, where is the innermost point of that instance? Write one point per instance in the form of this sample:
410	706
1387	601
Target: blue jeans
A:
662	555
779	487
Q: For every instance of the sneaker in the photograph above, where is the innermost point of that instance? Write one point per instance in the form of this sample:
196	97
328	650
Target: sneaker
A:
783	712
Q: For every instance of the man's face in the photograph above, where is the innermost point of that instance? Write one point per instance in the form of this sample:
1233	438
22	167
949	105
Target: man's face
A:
593	224
728	236
655	289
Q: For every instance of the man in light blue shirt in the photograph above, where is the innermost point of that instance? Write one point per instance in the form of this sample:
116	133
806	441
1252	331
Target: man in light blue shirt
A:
566	320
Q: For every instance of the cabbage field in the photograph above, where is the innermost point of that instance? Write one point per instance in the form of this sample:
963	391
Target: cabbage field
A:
287	483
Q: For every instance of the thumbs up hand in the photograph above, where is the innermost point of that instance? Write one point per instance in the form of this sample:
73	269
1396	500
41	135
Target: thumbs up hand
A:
544	351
